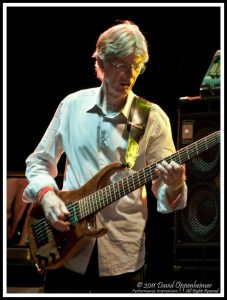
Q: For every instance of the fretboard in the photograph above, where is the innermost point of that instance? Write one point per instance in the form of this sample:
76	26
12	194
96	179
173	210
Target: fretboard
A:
105	196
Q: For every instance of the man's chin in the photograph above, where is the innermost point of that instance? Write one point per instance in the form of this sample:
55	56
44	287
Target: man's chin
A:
124	91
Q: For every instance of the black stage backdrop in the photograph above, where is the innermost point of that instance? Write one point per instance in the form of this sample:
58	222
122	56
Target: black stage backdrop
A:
49	53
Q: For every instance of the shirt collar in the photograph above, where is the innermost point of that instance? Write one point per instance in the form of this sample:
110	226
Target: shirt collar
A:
94	100
94	104
126	109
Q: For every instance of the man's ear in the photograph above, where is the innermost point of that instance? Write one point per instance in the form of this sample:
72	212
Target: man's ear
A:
100	63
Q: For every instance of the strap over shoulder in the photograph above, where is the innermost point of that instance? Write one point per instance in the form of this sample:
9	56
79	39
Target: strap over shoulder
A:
136	125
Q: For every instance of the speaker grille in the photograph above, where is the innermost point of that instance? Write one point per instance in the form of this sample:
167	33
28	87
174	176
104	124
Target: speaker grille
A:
199	221
207	163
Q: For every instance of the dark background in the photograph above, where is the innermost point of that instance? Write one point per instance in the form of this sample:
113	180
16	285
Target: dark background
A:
49	53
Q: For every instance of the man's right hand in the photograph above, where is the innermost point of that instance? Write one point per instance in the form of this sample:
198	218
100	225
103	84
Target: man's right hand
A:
55	211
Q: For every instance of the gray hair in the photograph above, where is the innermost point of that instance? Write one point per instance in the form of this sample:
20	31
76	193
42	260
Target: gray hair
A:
120	40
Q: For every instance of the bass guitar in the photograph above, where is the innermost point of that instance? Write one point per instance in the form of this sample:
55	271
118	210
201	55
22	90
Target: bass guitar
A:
51	248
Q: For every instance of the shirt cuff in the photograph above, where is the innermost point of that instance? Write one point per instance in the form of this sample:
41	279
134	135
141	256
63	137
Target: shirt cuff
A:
36	184
163	204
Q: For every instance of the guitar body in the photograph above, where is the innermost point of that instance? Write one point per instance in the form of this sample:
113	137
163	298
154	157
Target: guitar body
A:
51	248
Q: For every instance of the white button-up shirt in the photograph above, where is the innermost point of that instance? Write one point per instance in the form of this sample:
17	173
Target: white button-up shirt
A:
92	139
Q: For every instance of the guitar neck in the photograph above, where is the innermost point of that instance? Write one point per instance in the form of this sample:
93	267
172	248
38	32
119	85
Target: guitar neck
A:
98	200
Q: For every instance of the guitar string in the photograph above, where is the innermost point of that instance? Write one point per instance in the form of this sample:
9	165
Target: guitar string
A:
43	226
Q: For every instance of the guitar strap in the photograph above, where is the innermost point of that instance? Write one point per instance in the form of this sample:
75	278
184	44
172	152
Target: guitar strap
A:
136	125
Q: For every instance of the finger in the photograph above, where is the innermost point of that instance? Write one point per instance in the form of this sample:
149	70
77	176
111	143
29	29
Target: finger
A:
161	173
174	170
176	166
59	213
166	170
161	168
64	209
172	166
63	225
58	224
51	217
180	170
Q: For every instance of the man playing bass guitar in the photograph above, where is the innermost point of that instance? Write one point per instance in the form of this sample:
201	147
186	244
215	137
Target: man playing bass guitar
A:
90	127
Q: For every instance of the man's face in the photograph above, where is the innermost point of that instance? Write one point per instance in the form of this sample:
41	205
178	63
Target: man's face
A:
120	74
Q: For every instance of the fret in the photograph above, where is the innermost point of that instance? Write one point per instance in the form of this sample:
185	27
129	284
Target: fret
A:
104	199
93	199
112	189
207	144
140	183
191	151
122	188
187	153
109	196
141	178
138	180
80	210
144	177
133	183
107	193
179	156
86	205
122	184
150	173
76	208
73	216
196	144
126	186
129	185
169	159
117	189
147	174
136	175
99	199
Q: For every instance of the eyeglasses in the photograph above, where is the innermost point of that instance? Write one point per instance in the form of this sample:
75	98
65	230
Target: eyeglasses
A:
124	67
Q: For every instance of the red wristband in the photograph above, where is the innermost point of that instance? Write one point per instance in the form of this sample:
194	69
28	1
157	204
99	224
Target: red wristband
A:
44	191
